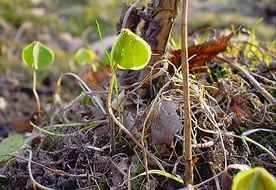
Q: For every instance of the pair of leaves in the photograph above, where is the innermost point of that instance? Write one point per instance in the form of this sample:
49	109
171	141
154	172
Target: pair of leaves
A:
247	179
37	56
130	51
256	178
84	56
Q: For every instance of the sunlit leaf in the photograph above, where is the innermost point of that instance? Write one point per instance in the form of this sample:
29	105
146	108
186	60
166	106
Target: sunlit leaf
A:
163	173
84	55
256	178
130	51
37	55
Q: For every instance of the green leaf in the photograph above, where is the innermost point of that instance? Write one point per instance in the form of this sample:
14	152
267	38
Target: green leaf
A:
166	174
130	51
84	55
27	55
254	179
37	55
10	145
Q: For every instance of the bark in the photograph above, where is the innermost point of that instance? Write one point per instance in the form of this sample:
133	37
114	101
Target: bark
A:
156	31
133	19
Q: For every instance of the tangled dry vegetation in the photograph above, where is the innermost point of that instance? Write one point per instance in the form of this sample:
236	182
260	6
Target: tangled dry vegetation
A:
80	153
234	122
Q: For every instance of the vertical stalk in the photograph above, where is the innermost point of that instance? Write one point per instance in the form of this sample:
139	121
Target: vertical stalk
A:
187	150
36	95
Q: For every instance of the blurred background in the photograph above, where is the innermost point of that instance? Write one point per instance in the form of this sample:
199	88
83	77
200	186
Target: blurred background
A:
65	26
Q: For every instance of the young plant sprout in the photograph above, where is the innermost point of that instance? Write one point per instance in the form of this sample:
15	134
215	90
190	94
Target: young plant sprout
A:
130	51
86	56
256	178
37	56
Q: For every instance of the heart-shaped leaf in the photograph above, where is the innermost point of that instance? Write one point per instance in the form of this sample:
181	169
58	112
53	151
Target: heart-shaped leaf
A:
84	55
37	55
256	178
130	51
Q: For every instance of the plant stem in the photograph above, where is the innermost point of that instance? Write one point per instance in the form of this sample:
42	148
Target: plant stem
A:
187	148
110	111
121	126
36	95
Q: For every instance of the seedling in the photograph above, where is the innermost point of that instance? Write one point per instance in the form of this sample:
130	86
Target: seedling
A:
84	56
256	178
37	56
129	51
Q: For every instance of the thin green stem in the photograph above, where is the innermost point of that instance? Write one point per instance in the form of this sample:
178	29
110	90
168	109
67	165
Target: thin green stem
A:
257	144
112	68
101	39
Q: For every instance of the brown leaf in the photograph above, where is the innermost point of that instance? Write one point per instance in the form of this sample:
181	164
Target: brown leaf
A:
23	125
208	50
226	180
97	78
166	124
237	110
203	53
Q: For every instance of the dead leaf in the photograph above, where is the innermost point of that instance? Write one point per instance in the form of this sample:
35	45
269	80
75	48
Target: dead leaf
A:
23	125
166	124
97	78
202	53
237	110
226	180
116	175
